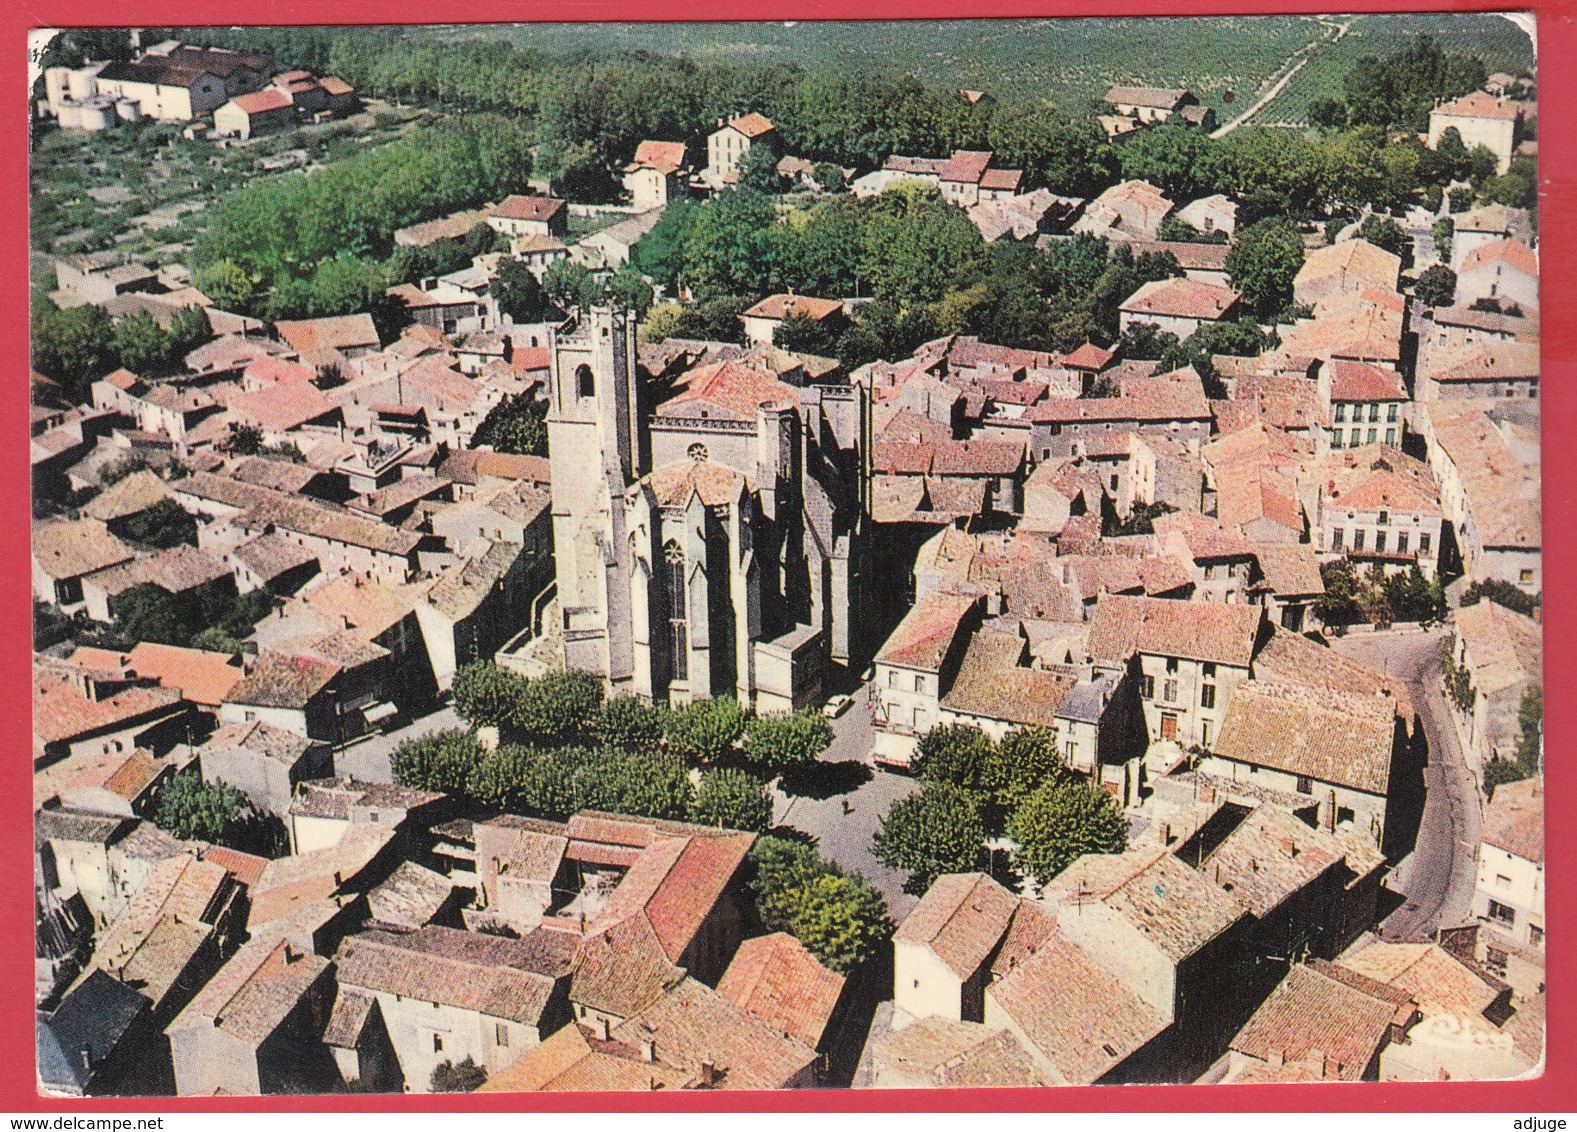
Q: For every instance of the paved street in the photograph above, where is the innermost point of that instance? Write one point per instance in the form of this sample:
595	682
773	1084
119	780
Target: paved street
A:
369	761
1437	877
851	781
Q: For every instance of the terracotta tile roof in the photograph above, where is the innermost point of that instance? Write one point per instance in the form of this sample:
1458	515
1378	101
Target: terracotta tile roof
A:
1487	361
1080	1019
935	1052
923	638
1479	104
1438	981
341	332
335	86
71	548
62	712
411	896
1088	356
262	101
990	684
752	125
1355	262
1509	253
1269	858
775	979
246	868
1158	98
260	738
1505	648
716	485
518	207
961	918
977	458
965	166
1333	737
460	590
251	995
1181	298
572	1060
620	970
1382	491
130	496
168	921
280	475
1174	907
1001	180
1514	819
677	892
452	227
269	556
512	979
663	156
1312	1014
1291	658
283	681
201	677
1502	492
692	1023
735	391
362	604
283	407
782	306
1179	397
1289	569
1205	631
1361	381
1190	256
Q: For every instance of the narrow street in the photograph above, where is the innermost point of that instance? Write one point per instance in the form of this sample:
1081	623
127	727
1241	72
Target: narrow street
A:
1436	879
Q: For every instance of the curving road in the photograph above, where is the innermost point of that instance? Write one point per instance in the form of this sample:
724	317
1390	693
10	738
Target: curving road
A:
1281	83
1437	878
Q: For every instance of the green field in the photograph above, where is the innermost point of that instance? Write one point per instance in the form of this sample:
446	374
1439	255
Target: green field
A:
1065	62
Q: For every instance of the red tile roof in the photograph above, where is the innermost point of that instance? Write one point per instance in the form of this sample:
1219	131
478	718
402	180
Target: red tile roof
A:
1001	180
1331	737
1361	381
1205	631
738	391
1479	104
751	125
966	166
962	918
1514	819
923	638
781	306
201	677
1088	356
1513	253
341	332
61	711
1181	298
518	207
1314	1014
775	978
262	101
663	156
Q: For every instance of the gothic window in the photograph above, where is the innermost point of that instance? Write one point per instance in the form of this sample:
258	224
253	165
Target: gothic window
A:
678	609
585	383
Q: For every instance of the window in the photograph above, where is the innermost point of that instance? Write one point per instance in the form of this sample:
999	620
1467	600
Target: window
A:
438	1044
1502	913
1114	483
1210	571
1169	691
1495	960
1390	412
1371	436
892	679
1390	436
1336	538
585	383
1344	815
1067	750
678	609
251	716
1147	687
1171	664
1525	576
1305	784
501	1035
1423	542
1207	696
1379	542
1357	540
1374	415
1535	935
1401	543
1204	731
1385	518
1341	412
1210	670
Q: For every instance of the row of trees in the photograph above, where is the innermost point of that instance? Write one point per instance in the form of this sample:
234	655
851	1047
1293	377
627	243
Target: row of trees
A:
1372	597
841	919
973	788
77	346
567	708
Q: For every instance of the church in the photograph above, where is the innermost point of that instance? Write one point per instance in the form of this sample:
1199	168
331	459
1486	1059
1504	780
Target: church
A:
710	523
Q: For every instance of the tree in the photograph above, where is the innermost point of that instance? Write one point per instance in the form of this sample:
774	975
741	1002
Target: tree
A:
1383	232
629	290
226	282
841	920
1060	822
960	754
1328	113
72	346
113	472
1263	262
466	1077
163	525
1144	341
1501	593
568	284
245	439
1029	758
440	760
783	867
804	335
517	425
759	170
520	297
486	695
558	707
648	784
1443	231
732	799
194	810
1530	729
780	740
702	731
631	724
934	831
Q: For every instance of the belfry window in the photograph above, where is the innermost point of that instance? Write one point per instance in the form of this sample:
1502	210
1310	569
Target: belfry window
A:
585	383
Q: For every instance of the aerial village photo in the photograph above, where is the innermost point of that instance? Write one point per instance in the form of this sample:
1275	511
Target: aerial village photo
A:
749	556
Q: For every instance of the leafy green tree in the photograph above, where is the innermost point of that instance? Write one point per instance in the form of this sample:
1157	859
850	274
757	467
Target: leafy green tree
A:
1461	199
1383	232
779	740
934	831
163	525
1328	113
959	754
486	695
629	289
1262	263
440	760
1068	156
1029	758
714	319
702	731
1530	729
916	244
465	1077
647	784
661	252
1501	593
759	170
631	724
568	284
516	425
226	282
1144	341
1060	822
558	707
1400	88
1338	605
191	809
842	921
661	321
75	347
803	334
245	439
1498	772
732	799
782	868
1173	157
113	472
1443	232
520	297
728	244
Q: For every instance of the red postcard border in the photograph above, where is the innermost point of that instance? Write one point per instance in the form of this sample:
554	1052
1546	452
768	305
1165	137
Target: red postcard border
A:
1556	1091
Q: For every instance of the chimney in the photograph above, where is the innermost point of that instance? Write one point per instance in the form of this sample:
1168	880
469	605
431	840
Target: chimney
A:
1289	847
87	1060
708	1074
1277	1059
1332	1069
1317	1056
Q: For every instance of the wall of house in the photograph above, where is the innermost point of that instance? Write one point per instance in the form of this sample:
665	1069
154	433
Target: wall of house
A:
1360	812
1516	884
1498	281
1498	135
924	986
207	1059
1421	532
1355	423
268	782
1122	950
1197	725
427	1034
288	719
